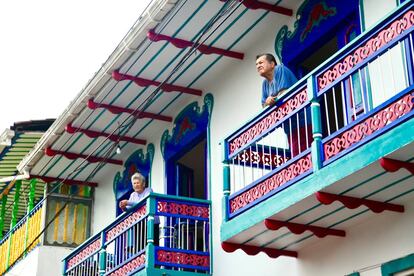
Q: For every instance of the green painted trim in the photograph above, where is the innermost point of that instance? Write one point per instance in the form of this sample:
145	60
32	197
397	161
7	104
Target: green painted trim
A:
354	274
398	265
362	15
2	214
32	194
17	186
361	157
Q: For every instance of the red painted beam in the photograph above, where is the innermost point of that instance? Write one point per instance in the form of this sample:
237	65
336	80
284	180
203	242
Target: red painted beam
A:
254	250
72	156
353	202
94	134
145	82
298	229
49	179
181	43
392	165
117	110
254	5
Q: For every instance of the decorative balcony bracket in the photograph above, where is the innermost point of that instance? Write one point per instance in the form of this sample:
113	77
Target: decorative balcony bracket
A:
70	155
117	110
49	179
254	250
166	87
353	202
181	43
254	5
298	229
94	134
392	165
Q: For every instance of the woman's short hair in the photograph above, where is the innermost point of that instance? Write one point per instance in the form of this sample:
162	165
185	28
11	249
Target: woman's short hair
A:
138	176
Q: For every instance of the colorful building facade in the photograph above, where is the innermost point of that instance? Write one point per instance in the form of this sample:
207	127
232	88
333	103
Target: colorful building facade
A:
318	184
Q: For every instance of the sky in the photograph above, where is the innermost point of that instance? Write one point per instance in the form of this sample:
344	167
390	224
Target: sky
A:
50	49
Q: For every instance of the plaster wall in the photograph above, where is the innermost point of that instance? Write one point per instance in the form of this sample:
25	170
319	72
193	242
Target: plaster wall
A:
42	261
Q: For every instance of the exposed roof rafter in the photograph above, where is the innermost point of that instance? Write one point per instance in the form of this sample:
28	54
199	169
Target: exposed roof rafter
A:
165	87
49	179
255	5
205	49
254	250
354	202
94	134
118	109
70	155
298	229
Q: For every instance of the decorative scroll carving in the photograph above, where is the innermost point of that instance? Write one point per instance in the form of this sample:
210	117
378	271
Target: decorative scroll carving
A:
267	122
126	223
275	181
88	251
130	266
369	126
368	49
182	258
182	209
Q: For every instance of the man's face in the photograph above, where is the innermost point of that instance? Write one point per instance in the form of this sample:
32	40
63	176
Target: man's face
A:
138	185
263	66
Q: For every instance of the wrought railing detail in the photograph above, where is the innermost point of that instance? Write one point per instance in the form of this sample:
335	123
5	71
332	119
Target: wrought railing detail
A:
160	232
396	28
369	126
267	122
274	182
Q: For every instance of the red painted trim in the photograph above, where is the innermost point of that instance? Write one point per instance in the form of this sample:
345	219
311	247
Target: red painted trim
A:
94	134
166	87
205	49
72	156
353	202
118	109
49	179
254	250
254	5
298	229
392	165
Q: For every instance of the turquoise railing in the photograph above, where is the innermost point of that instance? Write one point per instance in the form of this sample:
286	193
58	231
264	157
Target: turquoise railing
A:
356	95
159	233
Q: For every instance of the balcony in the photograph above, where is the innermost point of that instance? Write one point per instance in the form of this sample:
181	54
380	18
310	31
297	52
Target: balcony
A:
341	134
158	235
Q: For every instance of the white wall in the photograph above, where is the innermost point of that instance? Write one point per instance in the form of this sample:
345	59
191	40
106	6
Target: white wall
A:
42	261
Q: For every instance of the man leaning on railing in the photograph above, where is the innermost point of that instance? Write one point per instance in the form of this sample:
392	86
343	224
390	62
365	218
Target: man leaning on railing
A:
277	78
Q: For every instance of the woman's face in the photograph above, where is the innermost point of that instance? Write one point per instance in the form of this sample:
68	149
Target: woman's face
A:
138	185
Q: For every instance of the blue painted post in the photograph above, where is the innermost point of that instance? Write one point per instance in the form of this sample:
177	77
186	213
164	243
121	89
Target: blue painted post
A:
64	267
102	255
226	182
317	149
151	209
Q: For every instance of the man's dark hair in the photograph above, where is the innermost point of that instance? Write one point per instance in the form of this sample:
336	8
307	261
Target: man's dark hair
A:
269	57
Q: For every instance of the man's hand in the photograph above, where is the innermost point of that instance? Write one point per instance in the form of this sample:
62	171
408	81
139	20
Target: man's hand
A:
123	204
269	101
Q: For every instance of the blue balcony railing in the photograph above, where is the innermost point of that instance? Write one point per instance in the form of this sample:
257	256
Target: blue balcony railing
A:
159	233
361	92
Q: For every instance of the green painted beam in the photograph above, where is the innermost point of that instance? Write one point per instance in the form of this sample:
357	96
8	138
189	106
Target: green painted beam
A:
2	214
361	157
15	210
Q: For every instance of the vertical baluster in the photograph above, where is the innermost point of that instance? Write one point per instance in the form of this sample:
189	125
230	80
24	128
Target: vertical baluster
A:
351	87
299	139
233	176
328	125
188	231
344	104
306	128
204	237
362	91
262	158
195	238
290	137
240	156
388	54
335	109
